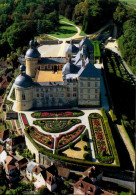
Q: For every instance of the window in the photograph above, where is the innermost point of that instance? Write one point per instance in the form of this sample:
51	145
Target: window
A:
74	89
37	94
68	89
88	90
88	84
96	90
68	95
96	97
96	84
74	94
37	89
42	95
41	89
88	96
81	84
23	96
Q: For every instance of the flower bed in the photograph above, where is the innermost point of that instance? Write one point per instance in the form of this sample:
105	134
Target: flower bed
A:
25	121
40	137
56	126
64	139
103	150
62	113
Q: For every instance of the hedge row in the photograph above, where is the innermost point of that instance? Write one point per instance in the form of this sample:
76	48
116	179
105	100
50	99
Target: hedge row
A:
66	159
99	155
110	137
127	135
113	116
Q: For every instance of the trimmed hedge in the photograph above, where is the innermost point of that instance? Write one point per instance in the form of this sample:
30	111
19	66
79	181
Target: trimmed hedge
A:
113	116
127	135
63	158
110	137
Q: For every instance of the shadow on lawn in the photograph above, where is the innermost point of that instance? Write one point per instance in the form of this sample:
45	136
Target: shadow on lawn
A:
77	148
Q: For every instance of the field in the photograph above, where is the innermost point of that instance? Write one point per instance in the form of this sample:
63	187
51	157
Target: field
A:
65	31
131	3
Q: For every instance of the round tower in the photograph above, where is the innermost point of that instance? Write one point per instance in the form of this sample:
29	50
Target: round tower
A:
32	56
71	50
23	91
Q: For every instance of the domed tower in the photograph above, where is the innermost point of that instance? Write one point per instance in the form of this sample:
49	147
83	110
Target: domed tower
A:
32	56
23	91
71	50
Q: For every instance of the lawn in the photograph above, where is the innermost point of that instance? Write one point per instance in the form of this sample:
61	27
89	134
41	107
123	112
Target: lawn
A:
64	31
77	152
131	3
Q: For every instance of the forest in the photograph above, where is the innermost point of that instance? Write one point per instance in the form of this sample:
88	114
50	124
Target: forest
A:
125	19
21	20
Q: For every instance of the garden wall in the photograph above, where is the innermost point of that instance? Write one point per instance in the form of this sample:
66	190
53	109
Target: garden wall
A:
32	148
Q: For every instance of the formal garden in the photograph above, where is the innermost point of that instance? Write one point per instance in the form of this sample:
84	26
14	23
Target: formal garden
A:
66	138
42	138
102	146
73	145
60	113
56	126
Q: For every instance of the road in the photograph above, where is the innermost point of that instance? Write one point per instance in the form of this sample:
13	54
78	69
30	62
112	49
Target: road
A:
129	184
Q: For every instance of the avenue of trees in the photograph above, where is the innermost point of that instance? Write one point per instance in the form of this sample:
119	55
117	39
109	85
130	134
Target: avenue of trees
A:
125	19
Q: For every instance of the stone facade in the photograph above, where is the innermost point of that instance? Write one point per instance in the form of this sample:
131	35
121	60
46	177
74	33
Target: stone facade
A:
79	84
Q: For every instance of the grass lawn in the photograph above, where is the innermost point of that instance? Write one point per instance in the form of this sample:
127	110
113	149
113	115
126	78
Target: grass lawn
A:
45	38
62	18
77	152
131	3
65	31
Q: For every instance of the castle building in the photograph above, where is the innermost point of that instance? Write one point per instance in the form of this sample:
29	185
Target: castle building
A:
63	81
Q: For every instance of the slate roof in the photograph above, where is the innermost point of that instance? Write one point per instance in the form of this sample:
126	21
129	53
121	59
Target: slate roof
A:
32	53
89	71
87	42
72	48
23	80
69	67
55	60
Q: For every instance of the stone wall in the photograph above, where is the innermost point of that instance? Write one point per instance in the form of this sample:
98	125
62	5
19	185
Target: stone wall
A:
32	148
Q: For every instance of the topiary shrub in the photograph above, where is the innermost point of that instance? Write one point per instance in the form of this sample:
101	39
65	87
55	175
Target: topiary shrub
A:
71	145
48	142
85	148
58	151
87	156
